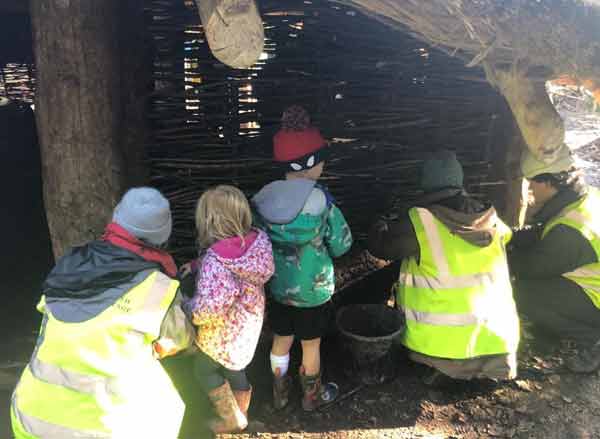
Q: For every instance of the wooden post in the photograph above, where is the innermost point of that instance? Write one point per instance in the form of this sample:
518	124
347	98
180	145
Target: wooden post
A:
540	124
83	116
506	147
517	188
233	29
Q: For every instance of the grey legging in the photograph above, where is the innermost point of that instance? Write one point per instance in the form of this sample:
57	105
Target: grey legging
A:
211	374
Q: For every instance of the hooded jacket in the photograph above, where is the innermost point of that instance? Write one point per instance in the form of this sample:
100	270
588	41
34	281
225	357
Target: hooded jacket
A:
472	220
229	303
527	245
306	230
476	223
91	278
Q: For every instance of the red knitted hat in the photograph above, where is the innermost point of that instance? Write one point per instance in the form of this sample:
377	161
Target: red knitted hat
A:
298	143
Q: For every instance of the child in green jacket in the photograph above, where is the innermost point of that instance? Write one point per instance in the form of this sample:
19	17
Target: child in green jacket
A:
306	231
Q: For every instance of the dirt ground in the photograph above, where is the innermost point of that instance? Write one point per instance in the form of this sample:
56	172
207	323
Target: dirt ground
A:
545	402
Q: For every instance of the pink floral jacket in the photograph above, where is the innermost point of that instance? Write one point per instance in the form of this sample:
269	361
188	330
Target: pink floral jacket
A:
229	304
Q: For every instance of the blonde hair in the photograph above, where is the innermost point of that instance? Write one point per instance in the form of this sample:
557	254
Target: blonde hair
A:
222	212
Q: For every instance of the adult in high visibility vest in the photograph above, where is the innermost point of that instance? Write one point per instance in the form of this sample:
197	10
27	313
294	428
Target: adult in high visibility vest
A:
111	309
454	285
556	261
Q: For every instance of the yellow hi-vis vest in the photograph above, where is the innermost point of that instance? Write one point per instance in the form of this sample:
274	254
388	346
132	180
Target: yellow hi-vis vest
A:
457	297
583	216
99	378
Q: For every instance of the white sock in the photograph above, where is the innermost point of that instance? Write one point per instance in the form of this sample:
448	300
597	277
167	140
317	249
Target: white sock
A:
280	362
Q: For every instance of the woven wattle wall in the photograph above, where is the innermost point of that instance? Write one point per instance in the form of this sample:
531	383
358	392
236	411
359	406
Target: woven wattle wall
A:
383	98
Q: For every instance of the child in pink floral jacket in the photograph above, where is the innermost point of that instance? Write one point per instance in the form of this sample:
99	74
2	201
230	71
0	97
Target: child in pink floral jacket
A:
228	307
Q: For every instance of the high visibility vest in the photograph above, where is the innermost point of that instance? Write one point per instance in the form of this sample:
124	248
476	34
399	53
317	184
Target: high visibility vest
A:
457	297
99	378
583	216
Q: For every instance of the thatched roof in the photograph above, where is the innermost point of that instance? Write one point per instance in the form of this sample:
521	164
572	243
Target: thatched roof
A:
549	36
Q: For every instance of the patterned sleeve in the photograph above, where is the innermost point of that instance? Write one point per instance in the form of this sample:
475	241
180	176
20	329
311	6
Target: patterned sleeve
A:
215	293
338	237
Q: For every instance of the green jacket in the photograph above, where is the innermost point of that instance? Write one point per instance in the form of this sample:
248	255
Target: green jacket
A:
562	250
306	231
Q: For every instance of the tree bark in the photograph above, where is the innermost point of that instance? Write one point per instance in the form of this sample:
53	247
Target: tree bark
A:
542	127
510	198
233	29
83	116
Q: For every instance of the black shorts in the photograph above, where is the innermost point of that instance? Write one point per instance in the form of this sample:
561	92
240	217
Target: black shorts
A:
303	323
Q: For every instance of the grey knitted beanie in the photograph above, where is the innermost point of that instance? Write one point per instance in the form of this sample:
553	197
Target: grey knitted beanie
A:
145	213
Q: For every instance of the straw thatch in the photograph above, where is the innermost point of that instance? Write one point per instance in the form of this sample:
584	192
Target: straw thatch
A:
551	37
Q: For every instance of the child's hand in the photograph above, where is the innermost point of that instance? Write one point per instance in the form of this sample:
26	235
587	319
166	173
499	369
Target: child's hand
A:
185	269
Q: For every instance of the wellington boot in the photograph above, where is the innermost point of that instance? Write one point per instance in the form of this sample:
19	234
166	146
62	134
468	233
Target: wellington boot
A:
231	417
315	393
281	390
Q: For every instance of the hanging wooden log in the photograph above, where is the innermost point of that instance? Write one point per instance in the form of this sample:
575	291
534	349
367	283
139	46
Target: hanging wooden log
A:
233	29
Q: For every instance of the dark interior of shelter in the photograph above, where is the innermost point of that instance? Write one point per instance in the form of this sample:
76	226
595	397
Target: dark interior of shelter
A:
384	99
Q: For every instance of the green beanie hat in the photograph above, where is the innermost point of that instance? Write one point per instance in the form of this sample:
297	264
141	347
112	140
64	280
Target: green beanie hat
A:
441	171
532	166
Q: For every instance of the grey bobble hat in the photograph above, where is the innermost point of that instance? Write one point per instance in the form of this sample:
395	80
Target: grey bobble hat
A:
145	213
441	170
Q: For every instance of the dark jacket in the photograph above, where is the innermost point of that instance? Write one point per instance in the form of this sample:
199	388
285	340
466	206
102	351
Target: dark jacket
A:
467	217
562	250
91	278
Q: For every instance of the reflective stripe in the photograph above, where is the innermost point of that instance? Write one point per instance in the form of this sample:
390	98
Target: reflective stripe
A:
48	430
584	271
576	216
157	293
452	282
435	241
586	286
437	319
583	222
51	374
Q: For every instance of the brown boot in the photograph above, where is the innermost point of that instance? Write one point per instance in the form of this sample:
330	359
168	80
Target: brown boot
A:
230	416
281	390
316	394
243	398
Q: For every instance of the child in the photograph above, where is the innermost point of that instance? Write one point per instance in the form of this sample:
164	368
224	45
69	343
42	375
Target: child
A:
228	307
306	230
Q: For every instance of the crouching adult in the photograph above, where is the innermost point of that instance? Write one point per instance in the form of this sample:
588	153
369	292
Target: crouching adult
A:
111	309
556	261
454	286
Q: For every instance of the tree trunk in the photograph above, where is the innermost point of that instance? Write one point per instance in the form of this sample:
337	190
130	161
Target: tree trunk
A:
542	127
83	117
510	198
516	195
233	29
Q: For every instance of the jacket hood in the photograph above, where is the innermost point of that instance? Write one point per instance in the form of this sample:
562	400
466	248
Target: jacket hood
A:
466	217
90	278
234	247
281	201
255	265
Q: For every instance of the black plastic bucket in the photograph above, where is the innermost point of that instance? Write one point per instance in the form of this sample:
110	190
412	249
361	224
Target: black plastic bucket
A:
368	332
